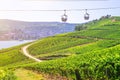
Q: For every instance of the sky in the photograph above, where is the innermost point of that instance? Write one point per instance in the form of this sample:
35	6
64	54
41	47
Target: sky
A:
49	16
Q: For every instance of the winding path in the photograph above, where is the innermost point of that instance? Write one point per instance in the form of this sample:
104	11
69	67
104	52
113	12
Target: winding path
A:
26	53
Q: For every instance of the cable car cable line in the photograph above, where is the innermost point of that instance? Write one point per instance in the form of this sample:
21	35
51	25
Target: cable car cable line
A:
64	17
69	9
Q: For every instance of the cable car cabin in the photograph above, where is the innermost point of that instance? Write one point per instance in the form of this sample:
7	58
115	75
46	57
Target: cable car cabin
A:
86	16
64	18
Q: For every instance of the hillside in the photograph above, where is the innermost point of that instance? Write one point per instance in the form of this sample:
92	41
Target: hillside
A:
90	54
17	30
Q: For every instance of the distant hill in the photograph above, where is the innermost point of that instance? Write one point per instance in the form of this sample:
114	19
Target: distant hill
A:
21	30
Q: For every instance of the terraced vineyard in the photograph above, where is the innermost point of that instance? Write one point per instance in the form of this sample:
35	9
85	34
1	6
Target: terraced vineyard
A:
90	54
45	48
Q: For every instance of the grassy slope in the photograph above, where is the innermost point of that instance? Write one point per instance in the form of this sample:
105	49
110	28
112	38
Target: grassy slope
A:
13	57
47	46
9	58
100	59
103	29
98	45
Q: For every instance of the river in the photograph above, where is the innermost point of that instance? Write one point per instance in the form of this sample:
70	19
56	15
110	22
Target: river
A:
7	44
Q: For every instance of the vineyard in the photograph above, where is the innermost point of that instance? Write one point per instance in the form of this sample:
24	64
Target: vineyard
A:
46	47
97	65
89	54
94	60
